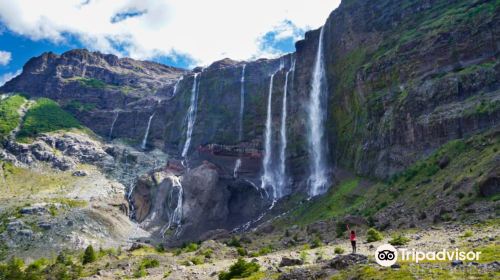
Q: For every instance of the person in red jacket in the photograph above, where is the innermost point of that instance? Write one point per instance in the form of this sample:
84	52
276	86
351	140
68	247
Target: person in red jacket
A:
352	237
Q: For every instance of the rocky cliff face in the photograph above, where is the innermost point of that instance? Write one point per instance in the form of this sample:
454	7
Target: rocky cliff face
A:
404	77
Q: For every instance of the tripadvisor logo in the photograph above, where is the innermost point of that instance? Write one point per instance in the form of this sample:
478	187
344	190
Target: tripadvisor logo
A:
387	255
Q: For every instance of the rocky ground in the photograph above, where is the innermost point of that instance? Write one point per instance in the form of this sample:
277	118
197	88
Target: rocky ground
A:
67	190
302	262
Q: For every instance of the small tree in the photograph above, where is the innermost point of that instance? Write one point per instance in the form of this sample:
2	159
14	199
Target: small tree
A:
89	255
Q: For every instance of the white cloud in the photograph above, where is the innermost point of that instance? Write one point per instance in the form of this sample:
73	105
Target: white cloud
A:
204	30
5	57
8	76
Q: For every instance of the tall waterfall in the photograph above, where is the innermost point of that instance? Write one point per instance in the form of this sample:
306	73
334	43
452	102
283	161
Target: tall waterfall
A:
242	102
191	116
268	178
175	218
282	178
318	180
145	139
113	126
237	165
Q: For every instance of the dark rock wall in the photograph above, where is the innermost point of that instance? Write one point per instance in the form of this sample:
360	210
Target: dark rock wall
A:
404	77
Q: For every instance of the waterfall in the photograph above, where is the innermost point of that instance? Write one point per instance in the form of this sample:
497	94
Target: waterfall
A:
282	181
242	102
174	92
268	177
113	126
237	165
145	139
318	180
191	115
176	216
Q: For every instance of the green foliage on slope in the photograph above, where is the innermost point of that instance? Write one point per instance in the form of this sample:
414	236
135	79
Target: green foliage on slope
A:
46	116
9	116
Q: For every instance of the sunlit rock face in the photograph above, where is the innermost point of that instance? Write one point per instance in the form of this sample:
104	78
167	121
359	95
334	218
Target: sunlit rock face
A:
394	94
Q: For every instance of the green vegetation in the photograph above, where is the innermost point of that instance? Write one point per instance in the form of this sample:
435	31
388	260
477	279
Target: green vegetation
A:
62	269
89	255
9	116
467	234
339	200
240	269
191	247
145	263
74	105
408	272
46	116
399	240
338	250
24	181
316	242
373	235
241	251
91	83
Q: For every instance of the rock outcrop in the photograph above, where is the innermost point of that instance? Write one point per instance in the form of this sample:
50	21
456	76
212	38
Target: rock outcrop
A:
208	202
404	78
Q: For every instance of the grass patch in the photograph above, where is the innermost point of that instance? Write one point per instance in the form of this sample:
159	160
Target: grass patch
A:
23	181
9	117
336	202
74	106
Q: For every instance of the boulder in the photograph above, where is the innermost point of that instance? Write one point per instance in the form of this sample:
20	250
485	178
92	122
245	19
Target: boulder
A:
344	261
290	262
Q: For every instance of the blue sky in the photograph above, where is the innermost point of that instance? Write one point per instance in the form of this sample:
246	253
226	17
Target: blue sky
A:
183	33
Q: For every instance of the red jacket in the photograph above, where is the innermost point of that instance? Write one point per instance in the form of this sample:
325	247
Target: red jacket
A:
353	237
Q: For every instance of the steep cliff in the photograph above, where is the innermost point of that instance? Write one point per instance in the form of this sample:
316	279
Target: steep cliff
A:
403	78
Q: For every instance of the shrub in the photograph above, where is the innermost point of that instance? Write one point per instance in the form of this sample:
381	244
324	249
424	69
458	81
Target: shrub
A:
74	106
145	264
234	242
316	242
46	116
240	269
12	270
265	250
373	235
467	234
89	255
207	253
338	250
191	247
198	260
399	240
242	251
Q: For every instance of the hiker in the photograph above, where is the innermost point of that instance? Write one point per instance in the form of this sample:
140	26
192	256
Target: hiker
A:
352	237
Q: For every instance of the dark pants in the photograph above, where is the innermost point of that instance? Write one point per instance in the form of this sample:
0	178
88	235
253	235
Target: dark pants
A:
353	244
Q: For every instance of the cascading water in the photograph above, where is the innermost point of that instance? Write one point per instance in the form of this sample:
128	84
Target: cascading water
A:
191	116
176	86
237	165
318	180
268	178
242	102
113	126
145	139
282	178
175	218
